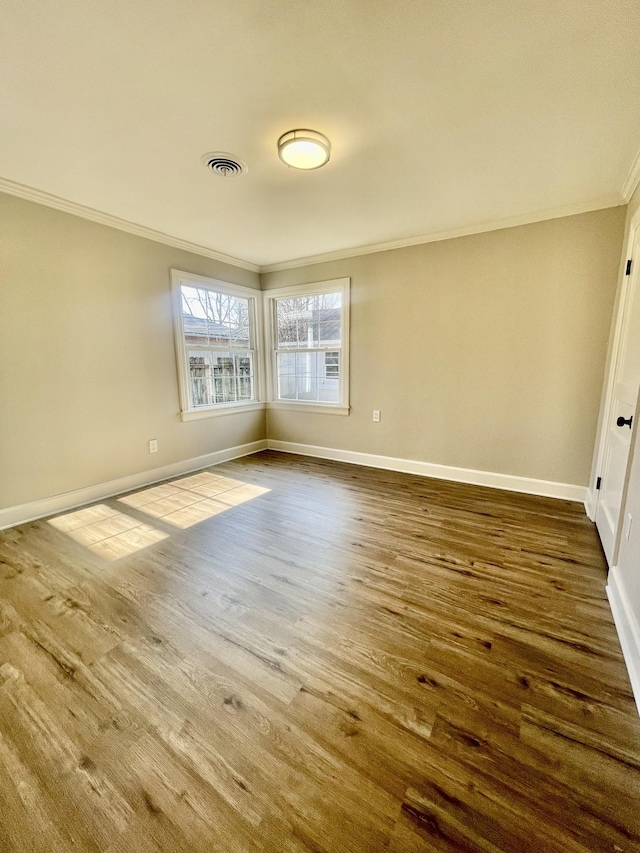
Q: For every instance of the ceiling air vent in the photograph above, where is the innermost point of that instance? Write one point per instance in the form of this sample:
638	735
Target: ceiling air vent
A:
224	165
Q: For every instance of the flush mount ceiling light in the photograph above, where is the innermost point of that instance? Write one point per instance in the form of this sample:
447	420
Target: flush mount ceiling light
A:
304	149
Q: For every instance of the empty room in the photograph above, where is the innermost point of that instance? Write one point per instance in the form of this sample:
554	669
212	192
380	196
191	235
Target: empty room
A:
319	468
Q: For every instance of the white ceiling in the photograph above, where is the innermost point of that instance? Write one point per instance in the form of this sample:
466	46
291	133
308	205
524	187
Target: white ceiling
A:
443	114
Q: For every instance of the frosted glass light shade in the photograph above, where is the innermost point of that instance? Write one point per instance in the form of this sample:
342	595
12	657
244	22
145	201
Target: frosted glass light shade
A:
304	149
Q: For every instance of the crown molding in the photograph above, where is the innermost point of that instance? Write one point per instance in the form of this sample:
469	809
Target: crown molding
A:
632	179
48	200
610	200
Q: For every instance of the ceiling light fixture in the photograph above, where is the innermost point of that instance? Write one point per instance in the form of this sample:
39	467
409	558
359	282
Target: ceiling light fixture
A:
304	149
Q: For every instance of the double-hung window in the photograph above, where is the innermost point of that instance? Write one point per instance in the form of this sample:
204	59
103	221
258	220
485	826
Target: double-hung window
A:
309	332
216	328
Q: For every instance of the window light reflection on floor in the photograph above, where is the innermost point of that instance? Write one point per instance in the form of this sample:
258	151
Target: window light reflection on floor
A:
191	500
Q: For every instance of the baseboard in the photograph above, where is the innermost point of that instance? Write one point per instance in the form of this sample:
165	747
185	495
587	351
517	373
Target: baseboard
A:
13	515
627	628
527	485
590	504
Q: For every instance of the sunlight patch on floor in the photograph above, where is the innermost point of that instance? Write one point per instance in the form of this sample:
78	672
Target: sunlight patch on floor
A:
106	532
112	534
193	499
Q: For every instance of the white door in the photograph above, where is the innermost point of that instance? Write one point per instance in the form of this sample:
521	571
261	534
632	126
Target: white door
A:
628	561
624	578
617	436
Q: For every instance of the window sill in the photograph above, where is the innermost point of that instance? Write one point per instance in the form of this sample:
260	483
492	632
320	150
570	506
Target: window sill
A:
221	410
310	408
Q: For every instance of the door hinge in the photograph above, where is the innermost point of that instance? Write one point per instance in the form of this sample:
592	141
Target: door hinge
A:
598	483
629	262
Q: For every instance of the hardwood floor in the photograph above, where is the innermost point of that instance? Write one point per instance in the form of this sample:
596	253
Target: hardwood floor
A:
290	655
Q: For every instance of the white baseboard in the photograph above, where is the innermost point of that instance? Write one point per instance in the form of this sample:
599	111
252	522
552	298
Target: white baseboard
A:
627	628
590	504
527	485
13	515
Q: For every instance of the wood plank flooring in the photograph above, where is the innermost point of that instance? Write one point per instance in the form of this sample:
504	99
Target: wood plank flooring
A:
291	655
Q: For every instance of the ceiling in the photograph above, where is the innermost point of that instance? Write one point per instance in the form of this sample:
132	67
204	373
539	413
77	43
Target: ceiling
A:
443	114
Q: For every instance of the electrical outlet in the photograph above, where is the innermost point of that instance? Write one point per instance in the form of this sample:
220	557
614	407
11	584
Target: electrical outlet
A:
376	416
153	445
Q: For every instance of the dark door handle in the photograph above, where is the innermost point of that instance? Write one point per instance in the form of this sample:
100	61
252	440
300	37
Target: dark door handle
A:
625	421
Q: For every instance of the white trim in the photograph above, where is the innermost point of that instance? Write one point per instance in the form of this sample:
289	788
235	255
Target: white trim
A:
546	488
310	408
179	277
336	285
72	207
13	515
611	200
627	628
590	504
330	285
221	410
632	180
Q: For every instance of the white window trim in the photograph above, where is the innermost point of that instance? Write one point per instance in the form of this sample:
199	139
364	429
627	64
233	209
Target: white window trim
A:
188	413
343	285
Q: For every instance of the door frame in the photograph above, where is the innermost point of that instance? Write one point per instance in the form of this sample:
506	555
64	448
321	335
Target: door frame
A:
616	340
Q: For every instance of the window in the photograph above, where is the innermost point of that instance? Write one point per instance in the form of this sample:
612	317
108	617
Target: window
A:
216	330
309	342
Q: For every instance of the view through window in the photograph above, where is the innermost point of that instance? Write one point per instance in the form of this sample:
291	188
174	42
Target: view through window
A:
308	332
217	333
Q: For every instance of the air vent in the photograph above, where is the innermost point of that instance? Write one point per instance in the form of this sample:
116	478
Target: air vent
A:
224	165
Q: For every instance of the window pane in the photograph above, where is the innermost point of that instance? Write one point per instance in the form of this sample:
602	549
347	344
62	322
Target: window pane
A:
306	363
211	318
306	376
286	365
330	319
220	377
309	321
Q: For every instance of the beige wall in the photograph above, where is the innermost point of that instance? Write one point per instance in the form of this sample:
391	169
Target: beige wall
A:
87	363
482	352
